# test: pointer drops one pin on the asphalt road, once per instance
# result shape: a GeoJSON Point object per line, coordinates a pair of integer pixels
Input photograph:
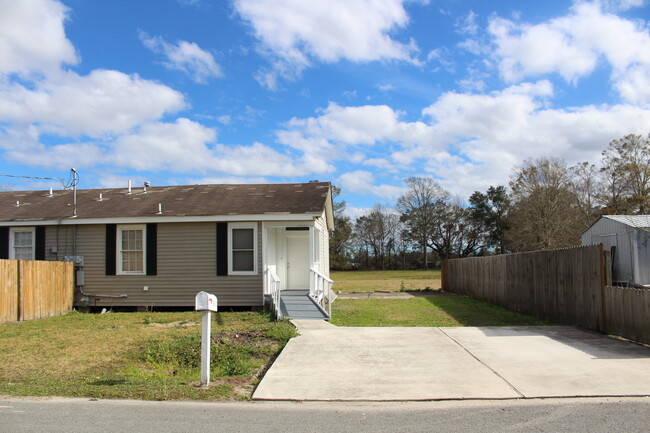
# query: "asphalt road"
{"type": "Point", "coordinates": [549, 415]}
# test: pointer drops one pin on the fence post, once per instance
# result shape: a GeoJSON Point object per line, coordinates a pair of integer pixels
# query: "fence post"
{"type": "Point", "coordinates": [19, 292]}
{"type": "Point", "coordinates": [604, 281]}
{"type": "Point", "coordinates": [443, 276]}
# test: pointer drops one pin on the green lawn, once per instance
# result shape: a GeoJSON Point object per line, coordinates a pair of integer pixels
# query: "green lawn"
{"type": "Point", "coordinates": [389, 281]}
{"type": "Point", "coordinates": [431, 311]}
{"type": "Point", "coordinates": [151, 356]}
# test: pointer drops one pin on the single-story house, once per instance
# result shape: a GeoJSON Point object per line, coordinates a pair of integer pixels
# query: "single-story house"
{"type": "Point", "coordinates": [159, 246]}
{"type": "Point", "coordinates": [628, 239]}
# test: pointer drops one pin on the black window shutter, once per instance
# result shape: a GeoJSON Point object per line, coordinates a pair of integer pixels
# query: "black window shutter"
{"type": "Point", "coordinates": [4, 242]}
{"type": "Point", "coordinates": [111, 240]}
{"type": "Point", "coordinates": [222, 249]}
{"type": "Point", "coordinates": [39, 254]}
{"type": "Point", "coordinates": [152, 249]}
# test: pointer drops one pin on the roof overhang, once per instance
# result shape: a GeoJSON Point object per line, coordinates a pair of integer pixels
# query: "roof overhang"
{"type": "Point", "coordinates": [164, 219]}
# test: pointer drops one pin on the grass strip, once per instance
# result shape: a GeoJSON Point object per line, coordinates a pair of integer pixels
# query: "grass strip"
{"type": "Point", "coordinates": [386, 281]}
{"type": "Point", "coordinates": [432, 311]}
{"type": "Point", "coordinates": [149, 356]}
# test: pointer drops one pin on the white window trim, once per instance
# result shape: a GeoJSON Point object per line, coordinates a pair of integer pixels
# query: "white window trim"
{"type": "Point", "coordinates": [231, 227]}
{"type": "Point", "coordinates": [12, 250]}
{"type": "Point", "coordinates": [118, 245]}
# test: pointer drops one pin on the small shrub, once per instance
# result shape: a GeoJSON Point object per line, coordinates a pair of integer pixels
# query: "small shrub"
{"type": "Point", "coordinates": [402, 287]}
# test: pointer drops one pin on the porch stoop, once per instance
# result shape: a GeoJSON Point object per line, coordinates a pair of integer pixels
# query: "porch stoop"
{"type": "Point", "coordinates": [297, 304]}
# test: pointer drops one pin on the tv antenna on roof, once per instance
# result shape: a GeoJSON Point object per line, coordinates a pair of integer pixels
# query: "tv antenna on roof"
{"type": "Point", "coordinates": [73, 184]}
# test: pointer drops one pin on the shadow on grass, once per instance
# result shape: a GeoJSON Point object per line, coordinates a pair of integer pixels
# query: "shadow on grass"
{"type": "Point", "coordinates": [470, 312]}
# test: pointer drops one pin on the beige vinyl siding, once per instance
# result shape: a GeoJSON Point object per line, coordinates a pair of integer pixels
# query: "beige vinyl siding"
{"type": "Point", "coordinates": [60, 237]}
{"type": "Point", "coordinates": [186, 265]}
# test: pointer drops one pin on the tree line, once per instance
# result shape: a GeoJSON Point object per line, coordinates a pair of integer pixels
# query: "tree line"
{"type": "Point", "coordinates": [547, 204]}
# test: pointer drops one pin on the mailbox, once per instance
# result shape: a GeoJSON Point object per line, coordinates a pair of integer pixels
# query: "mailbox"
{"type": "Point", "coordinates": [205, 302]}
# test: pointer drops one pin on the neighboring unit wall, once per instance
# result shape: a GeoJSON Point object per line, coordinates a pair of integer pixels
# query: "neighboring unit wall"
{"type": "Point", "coordinates": [186, 265]}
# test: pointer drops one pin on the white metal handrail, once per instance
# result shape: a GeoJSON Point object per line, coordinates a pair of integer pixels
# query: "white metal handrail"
{"type": "Point", "coordinates": [320, 289]}
{"type": "Point", "coordinates": [273, 285]}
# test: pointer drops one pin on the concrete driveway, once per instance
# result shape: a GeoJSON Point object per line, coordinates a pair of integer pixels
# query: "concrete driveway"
{"type": "Point", "coordinates": [382, 364]}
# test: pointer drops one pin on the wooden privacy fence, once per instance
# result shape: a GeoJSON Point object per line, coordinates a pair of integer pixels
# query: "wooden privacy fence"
{"type": "Point", "coordinates": [569, 286]}
{"type": "Point", "coordinates": [562, 286]}
{"type": "Point", "coordinates": [31, 289]}
{"type": "Point", "coordinates": [628, 313]}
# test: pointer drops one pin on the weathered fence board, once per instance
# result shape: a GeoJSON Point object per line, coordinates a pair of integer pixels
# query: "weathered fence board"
{"type": "Point", "coordinates": [8, 291]}
{"type": "Point", "coordinates": [31, 289]}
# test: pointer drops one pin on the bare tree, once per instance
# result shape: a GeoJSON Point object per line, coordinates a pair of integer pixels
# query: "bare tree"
{"type": "Point", "coordinates": [585, 184]}
{"type": "Point", "coordinates": [544, 213]}
{"type": "Point", "coordinates": [626, 162]}
{"type": "Point", "coordinates": [417, 207]}
{"type": "Point", "coordinates": [376, 232]}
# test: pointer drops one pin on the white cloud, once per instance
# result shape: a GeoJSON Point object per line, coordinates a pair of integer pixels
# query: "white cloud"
{"type": "Point", "coordinates": [353, 126]}
{"type": "Point", "coordinates": [573, 45]}
{"type": "Point", "coordinates": [226, 119]}
{"type": "Point", "coordinates": [184, 56]}
{"type": "Point", "coordinates": [295, 32]}
{"type": "Point", "coordinates": [623, 5]}
{"type": "Point", "coordinates": [362, 182]}
{"type": "Point", "coordinates": [32, 37]}
{"type": "Point", "coordinates": [23, 146]}
{"type": "Point", "coordinates": [103, 102]}
{"type": "Point", "coordinates": [467, 25]}
{"type": "Point", "coordinates": [178, 146]}
{"type": "Point", "coordinates": [487, 135]}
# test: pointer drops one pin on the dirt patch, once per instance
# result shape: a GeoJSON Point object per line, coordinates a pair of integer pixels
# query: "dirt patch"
{"type": "Point", "coordinates": [242, 386]}
{"type": "Point", "coordinates": [254, 337]}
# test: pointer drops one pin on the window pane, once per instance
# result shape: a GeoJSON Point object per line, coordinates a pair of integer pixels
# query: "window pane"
{"type": "Point", "coordinates": [23, 253]}
{"type": "Point", "coordinates": [242, 239]}
{"type": "Point", "coordinates": [243, 261]}
{"type": "Point", "coordinates": [132, 250]}
{"type": "Point", "coordinates": [132, 261]}
{"type": "Point", "coordinates": [23, 239]}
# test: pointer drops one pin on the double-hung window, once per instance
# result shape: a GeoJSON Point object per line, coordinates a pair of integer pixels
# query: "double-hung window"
{"type": "Point", "coordinates": [131, 249]}
{"type": "Point", "coordinates": [22, 243]}
{"type": "Point", "coordinates": [242, 246]}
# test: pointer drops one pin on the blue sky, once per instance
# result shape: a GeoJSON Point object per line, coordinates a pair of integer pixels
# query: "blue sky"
{"type": "Point", "coordinates": [362, 93]}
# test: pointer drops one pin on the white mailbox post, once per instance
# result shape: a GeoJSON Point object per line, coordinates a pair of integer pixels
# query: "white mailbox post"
{"type": "Point", "coordinates": [206, 303]}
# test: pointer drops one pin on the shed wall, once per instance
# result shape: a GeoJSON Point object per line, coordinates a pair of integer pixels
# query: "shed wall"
{"type": "Point", "coordinates": [631, 261]}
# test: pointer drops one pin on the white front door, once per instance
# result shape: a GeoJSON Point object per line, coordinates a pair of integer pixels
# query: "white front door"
{"type": "Point", "coordinates": [297, 260]}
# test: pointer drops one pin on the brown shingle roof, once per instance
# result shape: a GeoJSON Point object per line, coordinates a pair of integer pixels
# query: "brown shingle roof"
{"type": "Point", "coordinates": [186, 200]}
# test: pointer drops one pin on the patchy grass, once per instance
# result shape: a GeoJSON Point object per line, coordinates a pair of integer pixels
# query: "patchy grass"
{"type": "Point", "coordinates": [386, 281]}
{"type": "Point", "coordinates": [150, 356]}
{"type": "Point", "coordinates": [432, 311]}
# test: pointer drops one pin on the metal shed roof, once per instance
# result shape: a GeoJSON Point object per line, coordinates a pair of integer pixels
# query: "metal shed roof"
{"type": "Point", "coordinates": [638, 221]}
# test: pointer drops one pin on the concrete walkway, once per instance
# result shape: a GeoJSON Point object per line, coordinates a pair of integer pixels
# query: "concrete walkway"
{"type": "Point", "coordinates": [381, 364]}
